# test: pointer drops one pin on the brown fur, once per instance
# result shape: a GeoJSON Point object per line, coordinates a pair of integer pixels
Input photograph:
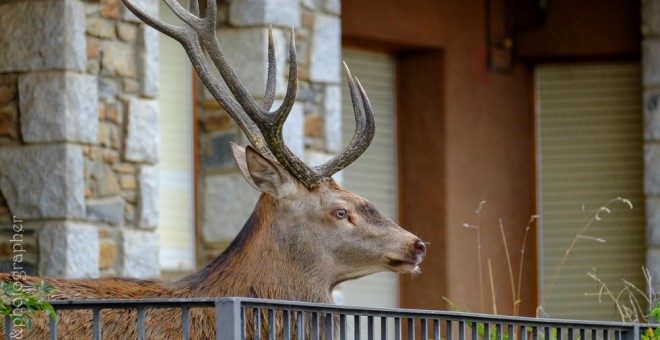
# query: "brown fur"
{"type": "Point", "coordinates": [291, 248]}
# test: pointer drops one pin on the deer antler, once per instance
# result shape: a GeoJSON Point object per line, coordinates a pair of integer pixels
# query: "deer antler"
{"type": "Point", "coordinates": [263, 128]}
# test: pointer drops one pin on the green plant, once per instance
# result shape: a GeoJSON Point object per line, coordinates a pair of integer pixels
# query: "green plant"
{"type": "Point", "coordinates": [21, 303]}
{"type": "Point", "coordinates": [653, 334]}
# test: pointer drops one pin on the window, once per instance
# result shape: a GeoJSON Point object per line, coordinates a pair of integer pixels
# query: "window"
{"type": "Point", "coordinates": [175, 204]}
{"type": "Point", "coordinates": [589, 151]}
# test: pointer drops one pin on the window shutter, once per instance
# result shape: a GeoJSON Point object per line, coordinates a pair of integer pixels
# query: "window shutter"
{"type": "Point", "coordinates": [589, 149]}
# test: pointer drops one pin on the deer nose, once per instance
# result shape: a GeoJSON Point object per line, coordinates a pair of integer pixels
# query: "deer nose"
{"type": "Point", "coordinates": [420, 248]}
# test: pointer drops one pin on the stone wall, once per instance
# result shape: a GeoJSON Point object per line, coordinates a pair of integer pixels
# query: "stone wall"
{"type": "Point", "coordinates": [651, 83]}
{"type": "Point", "coordinates": [78, 138]}
{"type": "Point", "coordinates": [313, 129]}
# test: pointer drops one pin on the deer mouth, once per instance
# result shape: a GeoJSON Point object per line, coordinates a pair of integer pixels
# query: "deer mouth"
{"type": "Point", "coordinates": [403, 266]}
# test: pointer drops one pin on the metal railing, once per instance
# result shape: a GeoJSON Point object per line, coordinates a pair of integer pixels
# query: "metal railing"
{"type": "Point", "coordinates": [241, 318]}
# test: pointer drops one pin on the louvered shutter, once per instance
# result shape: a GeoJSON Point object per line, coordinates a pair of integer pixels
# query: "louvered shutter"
{"type": "Point", "coordinates": [589, 150]}
{"type": "Point", "coordinates": [175, 201]}
{"type": "Point", "coordinates": [373, 175]}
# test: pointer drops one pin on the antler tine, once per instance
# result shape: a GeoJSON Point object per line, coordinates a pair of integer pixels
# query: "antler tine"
{"type": "Point", "coordinates": [273, 124]}
{"type": "Point", "coordinates": [365, 128]}
{"type": "Point", "coordinates": [187, 17]}
{"type": "Point", "coordinates": [280, 115]}
{"type": "Point", "coordinates": [193, 7]}
{"type": "Point", "coordinates": [175, 32]}
{"type": "Point", "coordinates": [263, 129]}
{"type": "Point", "coordinates": [189, 39]}
{"type": "Point", "coordinates": [269, 95]}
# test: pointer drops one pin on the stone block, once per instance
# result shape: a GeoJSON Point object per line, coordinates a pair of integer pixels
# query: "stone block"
{"type": "Point", "coordinates": [326, 49]}
{"type": "Point", "coordinates": [653, 221]}
{"type": "Point", "coordinates": [148, 197]}
{"type": "Point", "coordinates": [110, 8]}
{"type": "Point", "coordinates": [8, 120]}
{"type": "Point", "coordinates": [127, 31]}
{"type": "Point", "coordinates": [131, 86]}
{"type": "Point", "coordinates": [128, 182]}
{"type": "Point", "coordinates": [285, 13]}
{"type": "Point", "coordinates": [107, 254]}
{"type": "Point", "coordinates": [314, 126]}
{"type": "Point", "coordinates": [43, 181]}
{"type": "Point", "coordinates": [109, 211]}
{"type": "Point", "coordinates": [94, 66]}
{"type": "Point", "coordinates": [125, 168]}
{"type": "Point", "coordinates": [104, 180]}
{"type": "Point", "coordinates": [217, 152]}
{"type": "Point", "coordinates": [652, 115]}
{"type": "Point", "coordinates": [333, 118]}
{"type": "Point", "coordinates": [332, 6]}
{"type": "Point", "coordinates": [149, 6]}
{"type": "Point", "coordinates": [129, 214]}
{"type": "Point", "coordinates": [43, 35]}
{"type": "Point", "coordinates": [119, 59]}
{"type": "Point", "coordinates": [110, 156]}
{"type": "Point", "coordinates": [650, 17]}
{"type": "Point", "coordinates": [7, 265]}
{"type": "Point", "coordinates": [113, 112]}
{"type": "Point", "coordinates": [651, 62]}
{"type": "Point", "coordinates": [107, 88]}
{"type": "Point", "coordinates": [8, 88]}
{"type": "Point", "coordinates": [228, 202]}
{"type": "Point", "coordinates": [69, 250]}
{"type": "Point", "coordinates": [148, 62]}
{"type": "Point", "coordinates": [216, 122]}
{"type": "Point", "coordinates": [115, 139]}
{"type": "Point", "coordinates": [101, 28]}
{"type": "Point", "coordinates": [141, 144]}
{"type": "Point", "coordinates": [653, 264]}
{"type": "Point", "coordinates": [651, 169]}
{"type": "Point", "coordinates": [58, 107]}
{"type": "Point", "coordinates": [138, 254]}
{"type": "Point", "coordinates": [294, 129]}
{"type": "Point", "coordinates": [103, 137]}
{"type": "Point", "coordinates": [247, 52]}
{"type": "Point", "coordinates": [311, 4]}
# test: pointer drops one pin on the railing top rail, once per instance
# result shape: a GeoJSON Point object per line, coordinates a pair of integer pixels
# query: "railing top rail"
{"type": "Point", "coordinates": [329, 308]}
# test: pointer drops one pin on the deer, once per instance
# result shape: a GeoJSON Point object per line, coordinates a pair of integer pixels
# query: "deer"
{"type": "Point", "coordinates": [305, 236]}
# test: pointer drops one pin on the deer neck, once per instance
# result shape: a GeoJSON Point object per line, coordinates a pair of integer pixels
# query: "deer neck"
{"type": "Point", "coordinates": [260, 263]}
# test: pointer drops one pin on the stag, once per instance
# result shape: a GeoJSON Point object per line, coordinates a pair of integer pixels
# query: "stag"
{"type": "Point", "coordinates": [305, 236]}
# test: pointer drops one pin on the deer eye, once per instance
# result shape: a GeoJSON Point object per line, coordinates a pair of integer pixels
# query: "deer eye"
{"type": "Point", "coordinates": [341, 214]}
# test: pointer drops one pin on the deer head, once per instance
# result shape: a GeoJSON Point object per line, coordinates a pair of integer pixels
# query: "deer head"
{"type": "Point", "coordinates": [305, 227]}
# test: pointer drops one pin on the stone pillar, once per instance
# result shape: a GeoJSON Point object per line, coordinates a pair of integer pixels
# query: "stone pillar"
{"type": "Point", "coordinates": [79, 137]}
{"type": "Point", "coordinates": [313, 129]}
{"type": "Point", "coordinates": [651, 84]}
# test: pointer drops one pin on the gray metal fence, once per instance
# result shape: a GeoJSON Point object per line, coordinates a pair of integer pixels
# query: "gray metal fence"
{"type": "Point", "coordinates": [241, 318]}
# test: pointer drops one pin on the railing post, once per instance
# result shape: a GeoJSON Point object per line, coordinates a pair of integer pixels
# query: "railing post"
{"type": "Point", "coordinates": [228, 319]}
{"type": "Point", "coordinates": [53, 328]}
{"type": "Point", "coordinates": [632, 333]}
{"type": "Point", "coordinates": [8, 329]}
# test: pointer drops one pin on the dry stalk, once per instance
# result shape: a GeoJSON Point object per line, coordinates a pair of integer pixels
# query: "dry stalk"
{"type": "Point", "coordinates": [508, 262]}
{"type": "Point", "coordinates": [477, 227]}
{"type": "Point", "coordinates": [631, 312]}
{"type": "Point", "coordinates": [516, 304]}
{"type": "Point", "coordinates": [587, 222]}
{"type": "Point", "coordinates": [492, 286]}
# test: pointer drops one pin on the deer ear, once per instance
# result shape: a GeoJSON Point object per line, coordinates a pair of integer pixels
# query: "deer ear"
{"type": "Point", "coordinates": [268, 176]}
{"type": "Point", "coordinates": [239, 157]}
